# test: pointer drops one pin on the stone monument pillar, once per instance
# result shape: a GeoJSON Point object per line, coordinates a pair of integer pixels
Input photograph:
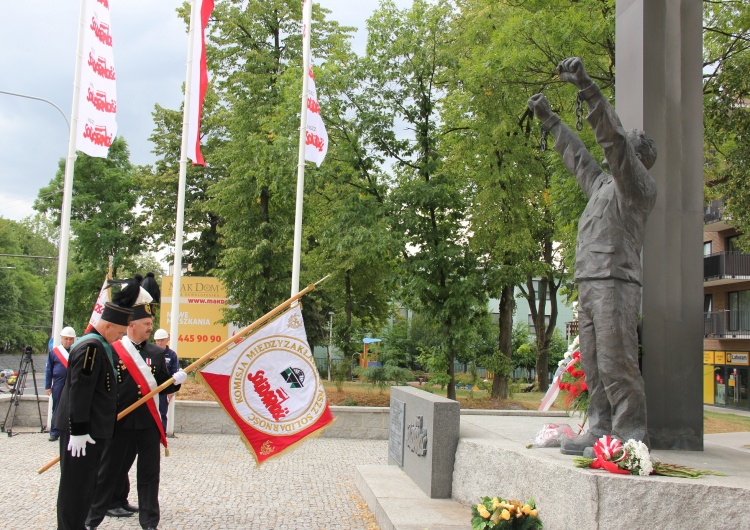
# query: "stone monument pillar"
{"type": "Point", "coordinates": [659, 90]}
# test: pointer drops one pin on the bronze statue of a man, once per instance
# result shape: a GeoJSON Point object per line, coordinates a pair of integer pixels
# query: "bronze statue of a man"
{"type": "Point", "coordinates": [608, 257]}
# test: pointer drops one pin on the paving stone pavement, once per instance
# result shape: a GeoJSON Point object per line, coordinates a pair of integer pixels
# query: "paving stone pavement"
{"type": "Point", "coordinates": [210, 482]}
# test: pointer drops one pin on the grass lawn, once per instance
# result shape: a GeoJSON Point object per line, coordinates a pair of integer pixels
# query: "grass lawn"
{"type": "Point", "coordinates": [366, 395]}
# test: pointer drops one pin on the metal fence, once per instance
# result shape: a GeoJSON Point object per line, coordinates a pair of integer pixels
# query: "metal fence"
{"type": "Point", "coordinates": [726, 265]}
{"type": "Point", "coordinates": [734, 324]}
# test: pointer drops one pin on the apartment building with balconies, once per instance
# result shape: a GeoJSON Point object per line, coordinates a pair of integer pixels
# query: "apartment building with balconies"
{"type": "Point", "coordinates": [726, 307]}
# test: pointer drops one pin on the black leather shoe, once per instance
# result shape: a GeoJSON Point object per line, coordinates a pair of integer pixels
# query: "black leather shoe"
{"type": "Point", "coordinates": [119, 512]}
{"type": "Point", "coordinates": [129, 507]}
{"type": "Point", "coordinates": [53, 438]}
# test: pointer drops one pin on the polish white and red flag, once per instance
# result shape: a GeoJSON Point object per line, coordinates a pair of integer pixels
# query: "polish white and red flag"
{"type": "Point", "coordinates": [97, 97]}
{"type": "Point", "coordinates": [96, 314]}
{"type": "Point", "coordinates": [198, 81]}
{"type": "Point", "coordinates": [269, 385]}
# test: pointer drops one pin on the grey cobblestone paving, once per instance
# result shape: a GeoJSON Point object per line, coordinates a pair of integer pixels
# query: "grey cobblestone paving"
{"type": "Point", "coordinates": [210, 482]}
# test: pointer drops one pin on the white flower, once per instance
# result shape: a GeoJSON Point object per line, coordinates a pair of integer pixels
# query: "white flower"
{"type": "Point", "coordinates": [638, 457]}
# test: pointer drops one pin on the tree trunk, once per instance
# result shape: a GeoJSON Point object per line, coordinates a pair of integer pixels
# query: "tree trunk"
{"type": "Point", "coordinates": [500, 386]}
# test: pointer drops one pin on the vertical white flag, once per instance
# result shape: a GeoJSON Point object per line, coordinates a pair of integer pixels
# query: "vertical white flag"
{"type": "Point", "coordinates": [97, 98]}
{"type": "Point", "coordinates": [198, 81]}
{"type": "Point", "coordinates": [316, 137]}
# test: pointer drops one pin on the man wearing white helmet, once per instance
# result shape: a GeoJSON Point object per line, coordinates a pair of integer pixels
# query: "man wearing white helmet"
{"type": "Point", "coordinates": [56, 371]}
{"type": "Point", "coordinates": [161, 338]}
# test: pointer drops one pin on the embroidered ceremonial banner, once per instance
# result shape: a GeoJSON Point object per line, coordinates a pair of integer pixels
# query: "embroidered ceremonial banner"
{"type": "Point", "coordinates": [141, 374]}
{"type": "Point", "coordinates": [61, 354]}
{"type": "Point", "coordinates": [198, 81]}
{"type": "Point", "coordinates": [97, 98]}
{"type": "Point", "coordinates": [270, 387]}
{"type": "Point", "coordinates": [96, 314]}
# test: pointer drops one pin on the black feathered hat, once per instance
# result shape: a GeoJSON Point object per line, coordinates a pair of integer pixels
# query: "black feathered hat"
{"type": "Point", "coordinates": [133, 295]}
{"type": "Point", "coordinates": [143, 306]}
{"type": "Point", "coordinates": [120, 310]}
{"type": "Point", "coordinates": [152, 287]}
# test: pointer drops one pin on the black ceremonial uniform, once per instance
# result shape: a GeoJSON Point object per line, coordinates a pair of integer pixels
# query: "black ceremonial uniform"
{"type": "Point", "coordinates": [135, 434]}
{"type": "Point", "coordinates": [88, 405]}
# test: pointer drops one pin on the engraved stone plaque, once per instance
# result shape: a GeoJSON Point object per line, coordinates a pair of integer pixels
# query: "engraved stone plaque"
{"type": "Point", "coordinates": [396, 436]}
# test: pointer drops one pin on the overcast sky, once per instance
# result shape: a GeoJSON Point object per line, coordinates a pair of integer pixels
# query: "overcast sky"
{"type": "Point", "coordinates": [37, 58]}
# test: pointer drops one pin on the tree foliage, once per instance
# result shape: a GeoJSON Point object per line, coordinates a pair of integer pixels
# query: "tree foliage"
{"type": "Point", "coordinates": [726, 89]}
{"type": "Point", "coordinates": [26, 299]}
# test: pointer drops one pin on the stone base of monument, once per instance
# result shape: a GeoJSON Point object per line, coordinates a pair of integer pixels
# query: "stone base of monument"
{"type": "Point", "coordinates": [492, 459]}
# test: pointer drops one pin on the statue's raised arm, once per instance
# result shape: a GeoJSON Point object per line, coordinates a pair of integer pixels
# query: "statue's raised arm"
{"type": "Point", "coordinates": [608, 257]}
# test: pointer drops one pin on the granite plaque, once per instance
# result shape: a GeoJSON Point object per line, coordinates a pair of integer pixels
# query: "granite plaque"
{"type": "Point", "coordinates": [396, 436]}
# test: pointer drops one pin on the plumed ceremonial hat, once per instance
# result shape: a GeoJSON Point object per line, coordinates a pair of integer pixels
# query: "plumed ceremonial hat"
{"type": "Point", "coordinates": [120, 310]}
{"type": "Point", "coordinates": [143, 306]}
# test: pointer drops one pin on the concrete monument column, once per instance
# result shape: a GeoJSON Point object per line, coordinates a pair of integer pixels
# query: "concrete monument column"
{"type": "Point", "coordinates": [659, 90]}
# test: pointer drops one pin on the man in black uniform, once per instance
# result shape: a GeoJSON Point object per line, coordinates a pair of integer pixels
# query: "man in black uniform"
{"type": "Point", "coordinates": [141, 367]}
{"type": "Point", "coordinates": [86, 414]}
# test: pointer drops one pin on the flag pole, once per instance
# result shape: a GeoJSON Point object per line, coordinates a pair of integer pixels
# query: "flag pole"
{"type": "Point", "coordinates": [70, 162]}
{"type": "Point", "coordinates": [181, 183]}
{"type": "Point", "coordinates": [306, 21]}
{"type": "Point", "coordinates": [207, 357]}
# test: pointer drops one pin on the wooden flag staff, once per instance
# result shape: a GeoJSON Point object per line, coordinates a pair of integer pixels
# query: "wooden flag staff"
{"type": "Point", "coordinates": [209, 356]}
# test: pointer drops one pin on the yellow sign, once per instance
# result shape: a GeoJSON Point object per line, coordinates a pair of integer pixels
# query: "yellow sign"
{"type": "Point", "coordinates": [739, 358]}
{"type": "Point", "coordinates": [708, 357]}
{"type": "Point", "coordinates": [720, 357]}
{"type": "Point", "coordinates": [201, 300]}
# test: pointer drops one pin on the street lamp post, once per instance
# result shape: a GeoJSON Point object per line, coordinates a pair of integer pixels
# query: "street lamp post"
{"type": "Point", "coordinates": [330, 341]}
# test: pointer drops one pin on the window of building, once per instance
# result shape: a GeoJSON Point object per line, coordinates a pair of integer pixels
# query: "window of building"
{"type": "Point", "coordinates": [732, 244]}
{"type": "Point", "coordinates": [739, 310]}
{"type": "Point", "coordinates": [531, 322]}
{"type": "Point", "coordinates": [707, 248]}
{"type": "Point", "coordinates": [707, 302]}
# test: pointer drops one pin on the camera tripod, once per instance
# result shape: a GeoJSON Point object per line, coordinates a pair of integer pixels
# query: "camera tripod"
{"type": "Point", "coordinates": [17, 392]}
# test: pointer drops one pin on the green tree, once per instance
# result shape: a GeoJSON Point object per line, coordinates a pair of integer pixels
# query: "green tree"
{"type": "Point", "coordinates": [103, 224]}
{"type": "Point", "coordinates": [409, 65]}
{"type": "Point", "coordinates": [257, 62]}
{"type": "Point", "coordinates": [726, 67]}
{"type": "Point", "coordinates": [28, 286]}
{"type": "Point", "coordinates": [525, 207]}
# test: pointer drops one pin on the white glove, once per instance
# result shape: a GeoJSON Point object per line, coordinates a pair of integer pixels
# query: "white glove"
{"type": "Point", "coordinates": [77, 444]}
{"type": "Point", "coordinates": [179, 377]}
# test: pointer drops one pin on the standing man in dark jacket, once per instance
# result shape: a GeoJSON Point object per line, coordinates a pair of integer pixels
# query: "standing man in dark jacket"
{"type": "Point", "coordinates": [86, 414]}
{"type": "Point", "coordinates": [55, 373]}
{"type": "Point", "coordinates": [161, 338]}
{"type": "Point", "coordinates": [608, 258]}
{"type": "Point", "coordinates": [141, 368]}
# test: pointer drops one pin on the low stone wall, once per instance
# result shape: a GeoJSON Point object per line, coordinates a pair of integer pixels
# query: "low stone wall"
{"type": "Point", "coordinates": [207, 417]}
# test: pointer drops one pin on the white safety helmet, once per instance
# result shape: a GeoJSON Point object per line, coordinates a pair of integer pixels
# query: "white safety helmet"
{"type": "Point", "coordinates": [68, 332]}
{"type": "Point", "coordinates": [161, 334]}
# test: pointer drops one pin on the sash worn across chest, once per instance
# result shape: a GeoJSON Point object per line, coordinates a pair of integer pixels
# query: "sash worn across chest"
{"type": "Point", "coordinates": [62, 355]}
{"type": "Point", "coordinates": [141, 374]}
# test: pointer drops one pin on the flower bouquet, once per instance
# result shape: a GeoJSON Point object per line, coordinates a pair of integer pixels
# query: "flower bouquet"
{"type": "Point", "coordinates": [633, 458]}
{"type": "Point", "coordinates": [573, 384]}
{"type": "Point", "coordinates": [496, 513]}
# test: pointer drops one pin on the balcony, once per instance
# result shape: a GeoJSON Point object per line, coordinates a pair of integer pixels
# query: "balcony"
{"type": "Point", "coordinates": [715, 218]}
{"type": "Point", "coordinates": [727, 324]}
{"type": "Point", "coordinates": [725, 267]}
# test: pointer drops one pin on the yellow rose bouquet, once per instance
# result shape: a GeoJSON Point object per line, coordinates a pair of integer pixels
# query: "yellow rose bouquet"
{"type": "Point", "coordinates": [496, 513]}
